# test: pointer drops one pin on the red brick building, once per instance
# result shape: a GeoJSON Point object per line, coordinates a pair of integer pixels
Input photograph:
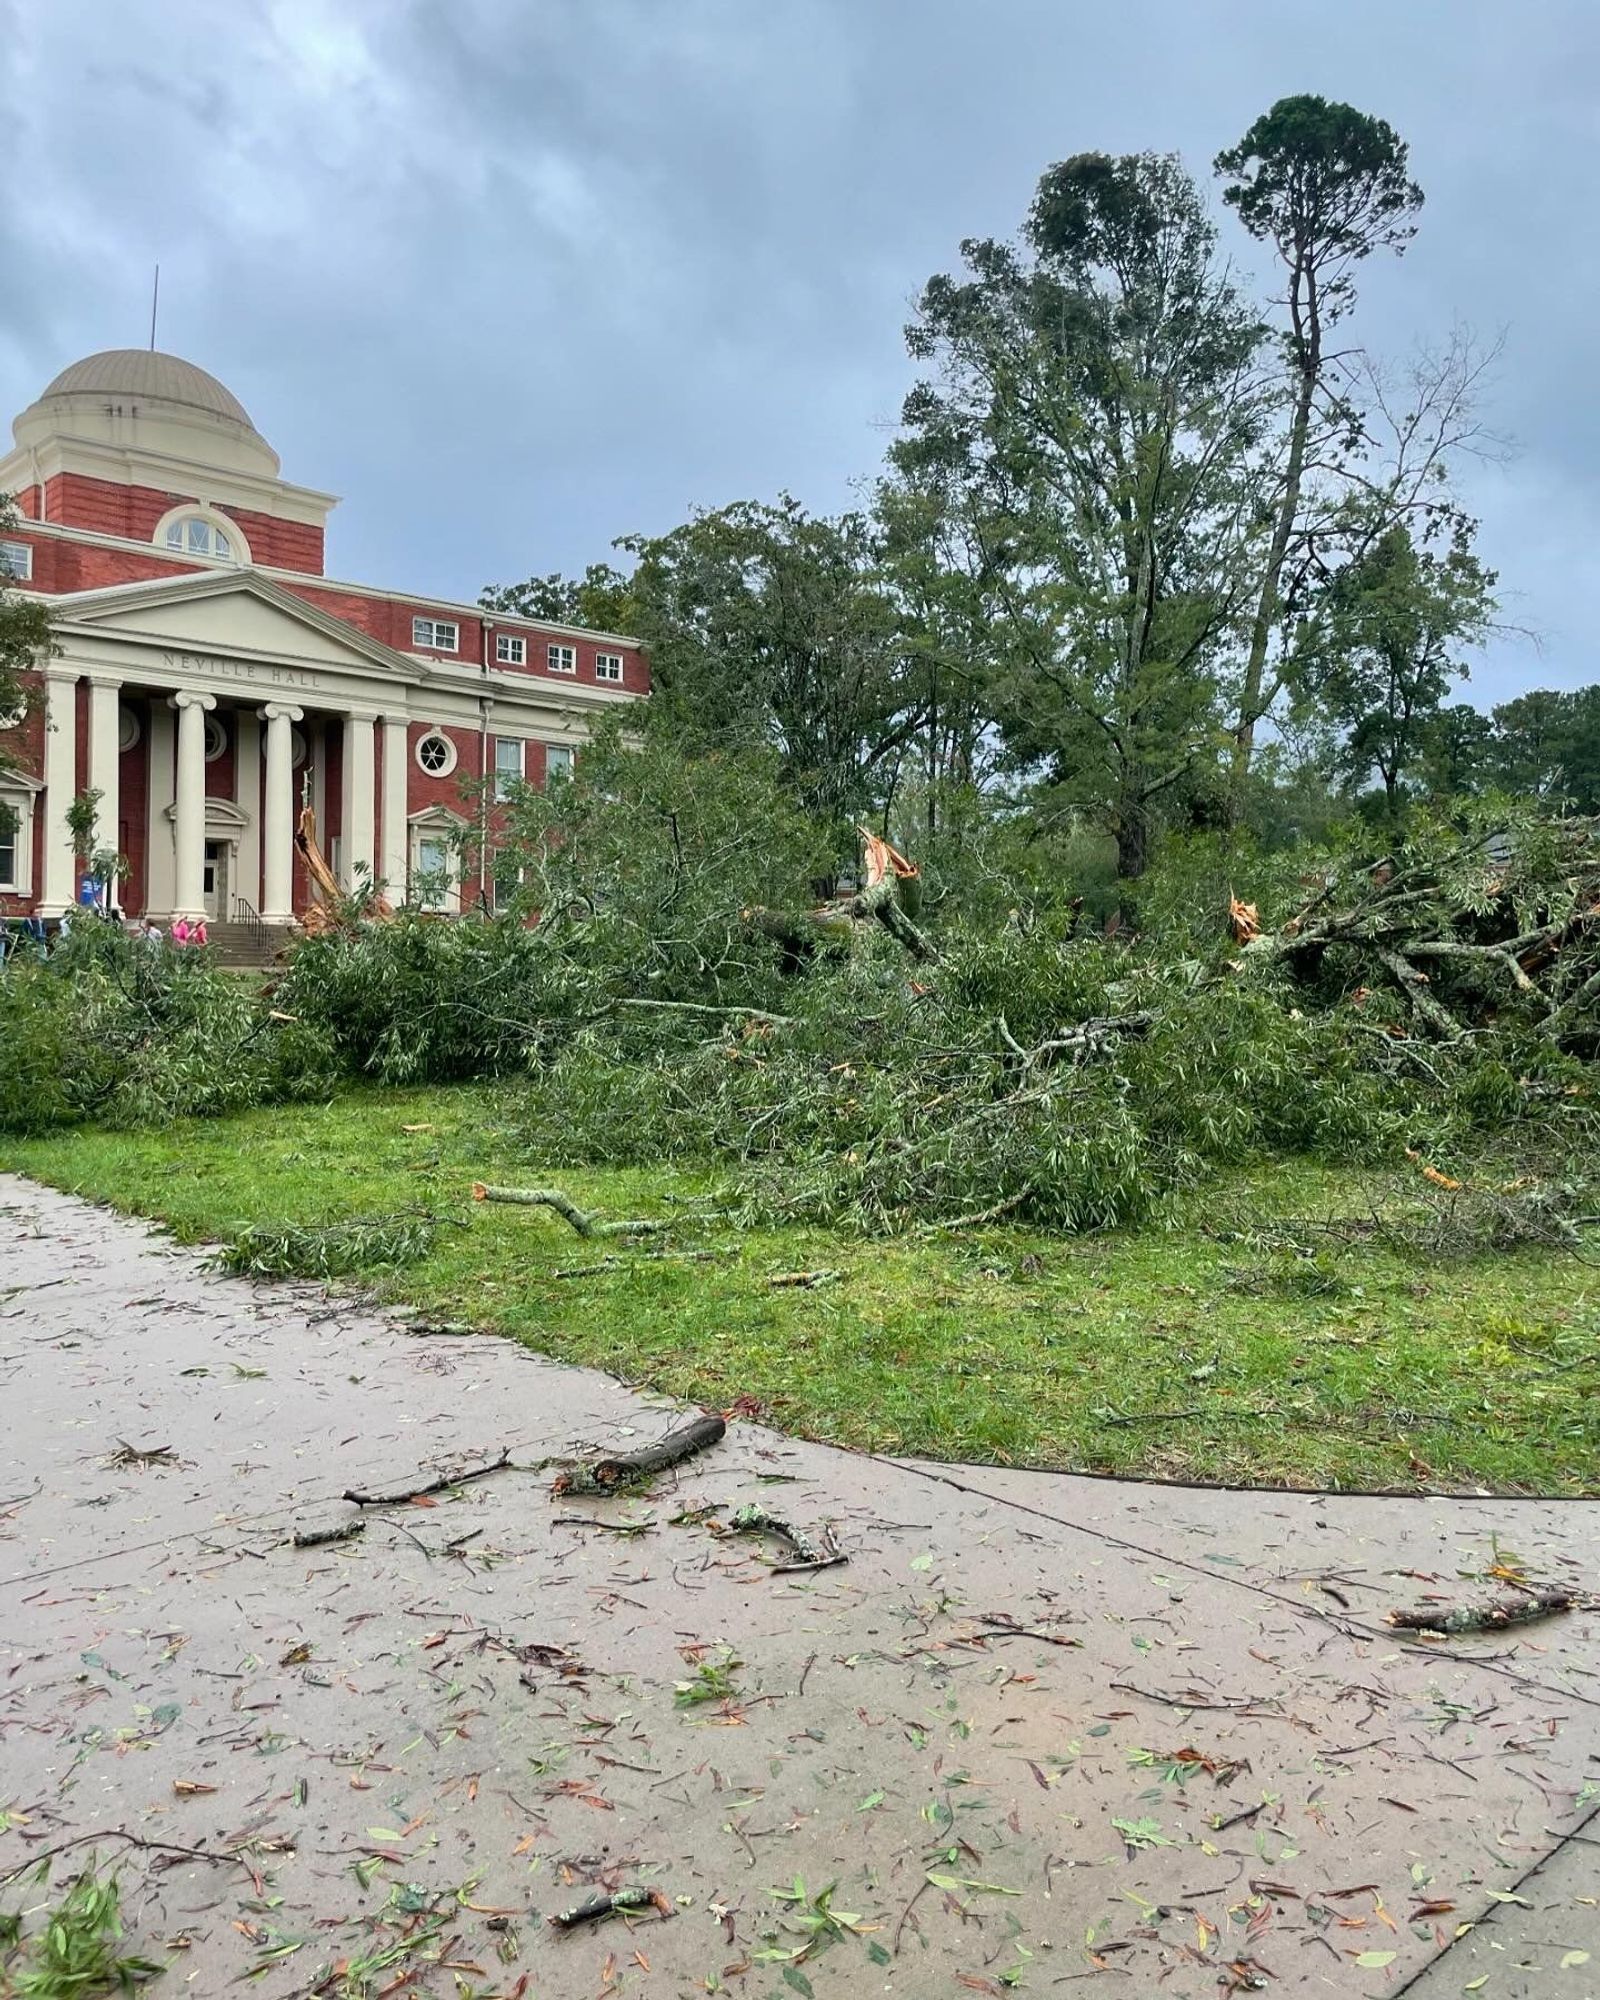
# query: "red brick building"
{"type": "Point", "coordinates": [210, 678]}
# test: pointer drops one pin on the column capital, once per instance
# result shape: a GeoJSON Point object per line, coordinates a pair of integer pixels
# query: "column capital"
{"type": "Point", "coordinates": [281, 711]}
{"type": "Point", "coordinates": [361, 714]}
{"type": "Point", "coordinates": [61, 673]}
{"type": "Point", "coordinates": [192, 698]}
{"type": "Point", "coordinates": [105, 681]}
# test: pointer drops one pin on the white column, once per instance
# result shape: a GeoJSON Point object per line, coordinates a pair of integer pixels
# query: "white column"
{"type": "Point", "coordinates": [360, 781]}
{"type": "Point", "coordinates": [392, 858]}
{"type": "Point", "coordinates": [247, 797]}
{"type": "Point", "coordinates": [162, 783]}
{"type": "Point", "coordinates": [277, 833]}
{"type": "Point", "coordinates": [189, 818]}
{"type": "Point", "coordinates": [60, 786]}
{"type": "Point", "coordinates": [105, 757]}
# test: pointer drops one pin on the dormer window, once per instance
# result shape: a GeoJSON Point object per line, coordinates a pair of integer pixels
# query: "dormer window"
{"type": "Point", "coordinates": [195, 534]}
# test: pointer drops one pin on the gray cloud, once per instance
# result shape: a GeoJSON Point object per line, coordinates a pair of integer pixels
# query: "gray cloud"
{"type": "Point", "coordinates": [517, 278]}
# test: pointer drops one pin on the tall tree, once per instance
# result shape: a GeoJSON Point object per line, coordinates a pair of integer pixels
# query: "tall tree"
{"type": "Point", "coordinates": [1547, 744]}
{"type": "Point", "coordinates": [1092, 422]}
{"type": "Point", "coordinates": [1325, 185]}
{"type": "Point", "coordinates": [947, 612]}
{"type": "Point", "coordinates": [1389, 653]}
{"type": "Point", "coordinates": [601, 600]}
{"type": "Point", "coordinates": [1457, 752]}
{"type": "Point", "coordinates": [770, 626]}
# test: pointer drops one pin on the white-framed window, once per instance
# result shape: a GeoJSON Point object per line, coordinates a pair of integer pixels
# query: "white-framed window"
{"type": "Point", "coordinates": [433, 881]}
{"type": "Point", "coordinates": [510, 652]}
{"type": "Point", "coordinates": [194, 535]}
{"type": "Point", "coordinates": [608, 666]}
{"type": "Point", "coordinates": [436, 754]}
{"type": "Point", "coordinates": [442, 634]}
{"type": "Point", "coordinates": [216, 739]}
{"type": "Point", "coordinates": [505, 877]}
{"type": "Point", "coordinates": [557, 761]}
{"type": "Point", "coordinates": [10, 843]}
{"type": "Point", "coordinates": [16, 841]}
{"type": "Point", "coordinates": [16, 561]}
{"type": "Point", "coordinates": [507, 765]}
{"type": "Point", "coordinates": [563, 659]}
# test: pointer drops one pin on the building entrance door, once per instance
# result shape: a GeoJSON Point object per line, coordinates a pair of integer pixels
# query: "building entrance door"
{"type": "Point", "coordinates": [215, 881]}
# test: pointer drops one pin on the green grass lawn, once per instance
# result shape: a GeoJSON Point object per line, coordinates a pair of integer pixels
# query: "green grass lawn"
{"type": "Point", "coordinates": [1173, 1352]}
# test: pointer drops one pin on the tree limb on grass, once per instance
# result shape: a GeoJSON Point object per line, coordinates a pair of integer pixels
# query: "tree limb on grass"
{"type": "Point", "coordinates": [585, 1224]}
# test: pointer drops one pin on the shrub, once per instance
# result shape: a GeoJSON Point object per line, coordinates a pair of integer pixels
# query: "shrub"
{"type": "Point", "coordinates": [108, 1029]}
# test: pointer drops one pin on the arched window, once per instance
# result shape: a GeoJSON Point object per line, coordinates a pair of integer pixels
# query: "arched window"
{"type": "Point", "coordinates": [195, 531]}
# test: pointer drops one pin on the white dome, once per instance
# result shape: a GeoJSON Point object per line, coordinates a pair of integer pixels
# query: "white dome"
{"type": "Point", "coordinates": [139, 374]}
{"type": "Point", "coordinates": [135, 398]}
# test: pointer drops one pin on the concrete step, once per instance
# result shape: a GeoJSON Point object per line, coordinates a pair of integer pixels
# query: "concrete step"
{"type": "Point", "coordinates": [241, 946]}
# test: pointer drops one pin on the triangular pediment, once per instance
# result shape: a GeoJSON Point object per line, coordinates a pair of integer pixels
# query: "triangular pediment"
{"type": "Point", "coordinates": [238, 615]}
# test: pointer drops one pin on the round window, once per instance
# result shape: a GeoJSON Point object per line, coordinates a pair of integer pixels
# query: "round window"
{"type": "Point", "coordinates": [297, 746]}
{"type": "Point", "coordinates": [436, 754]}
{"type": "Point", "coordinates": [216, 739]}
{"type": "Point", "coordinates": [128, 731]}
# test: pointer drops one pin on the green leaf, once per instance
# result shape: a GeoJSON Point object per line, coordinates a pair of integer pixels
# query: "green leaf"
{"type": "Point", "coordinates": [924, 1561]}
{"type": "Point", "coordinates": [793, 1976]}
{"type": "Point", "coordinates": [1571, 1958]}
{"type": "Point", "coordinates": [1372, 1960]}
{"type": "Point", "coordinates": [872, 1799]}
{"type": "Point", "coordinates": [878, 1955]}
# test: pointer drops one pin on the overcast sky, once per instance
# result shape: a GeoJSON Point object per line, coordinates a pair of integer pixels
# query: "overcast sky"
{"type": "Point", "coordinates": [515, 277]}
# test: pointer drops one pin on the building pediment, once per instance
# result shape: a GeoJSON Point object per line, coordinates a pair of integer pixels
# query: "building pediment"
{"type": "Point", "coordinates": [228, 622]}
{"type": "Point", "coordinates": [220, 813]}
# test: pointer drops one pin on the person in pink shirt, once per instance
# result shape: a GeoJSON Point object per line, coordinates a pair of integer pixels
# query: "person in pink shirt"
{"type": "Point", "coordinates": [180, 930]}
{"type": "Point", "coordinates": [197, 932]}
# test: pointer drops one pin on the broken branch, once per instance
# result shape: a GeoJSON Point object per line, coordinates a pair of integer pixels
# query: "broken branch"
{"type": "Point", "coordinates": [619, 1903]}
{"type": "Point", "coordinates": [604, 1475]}
{"type": "Point", "coordinates": [569, 1211]}
{"type": "Point", "coordinates": [819, 1552]}
{"type": "Point", "coordinates": [339, 1531]}
{"type": "Point", "coordinates": [1484, 1617]}
{"type": "Point", "coordinates": [440, 1484]}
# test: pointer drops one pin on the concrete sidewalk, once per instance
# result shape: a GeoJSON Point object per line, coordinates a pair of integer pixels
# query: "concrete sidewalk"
{"type": "Point", "coordinates": [1039, 1730]}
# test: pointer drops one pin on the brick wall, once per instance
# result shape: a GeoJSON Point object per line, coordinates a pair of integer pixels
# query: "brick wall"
{"type": "Point", "coordinates": [107, 507]}
{"type": "Point", "coordinates": [389, 620]}
{"type": "Point", "coordinates": [24, 748]}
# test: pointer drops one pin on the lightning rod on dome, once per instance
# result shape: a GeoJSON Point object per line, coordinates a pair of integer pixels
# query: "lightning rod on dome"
{"type": "Point", "coordinates": [155, 300]}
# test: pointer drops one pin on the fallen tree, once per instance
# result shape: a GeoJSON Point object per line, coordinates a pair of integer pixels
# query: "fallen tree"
{"type": "Point", "coordinates": [889, 892]}
{"type": "Point", "coordinates": [1498, 925]}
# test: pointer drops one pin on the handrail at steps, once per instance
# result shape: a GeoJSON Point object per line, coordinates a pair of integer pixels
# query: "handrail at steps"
{"type": "Point", "coordinates": [245, 913]}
